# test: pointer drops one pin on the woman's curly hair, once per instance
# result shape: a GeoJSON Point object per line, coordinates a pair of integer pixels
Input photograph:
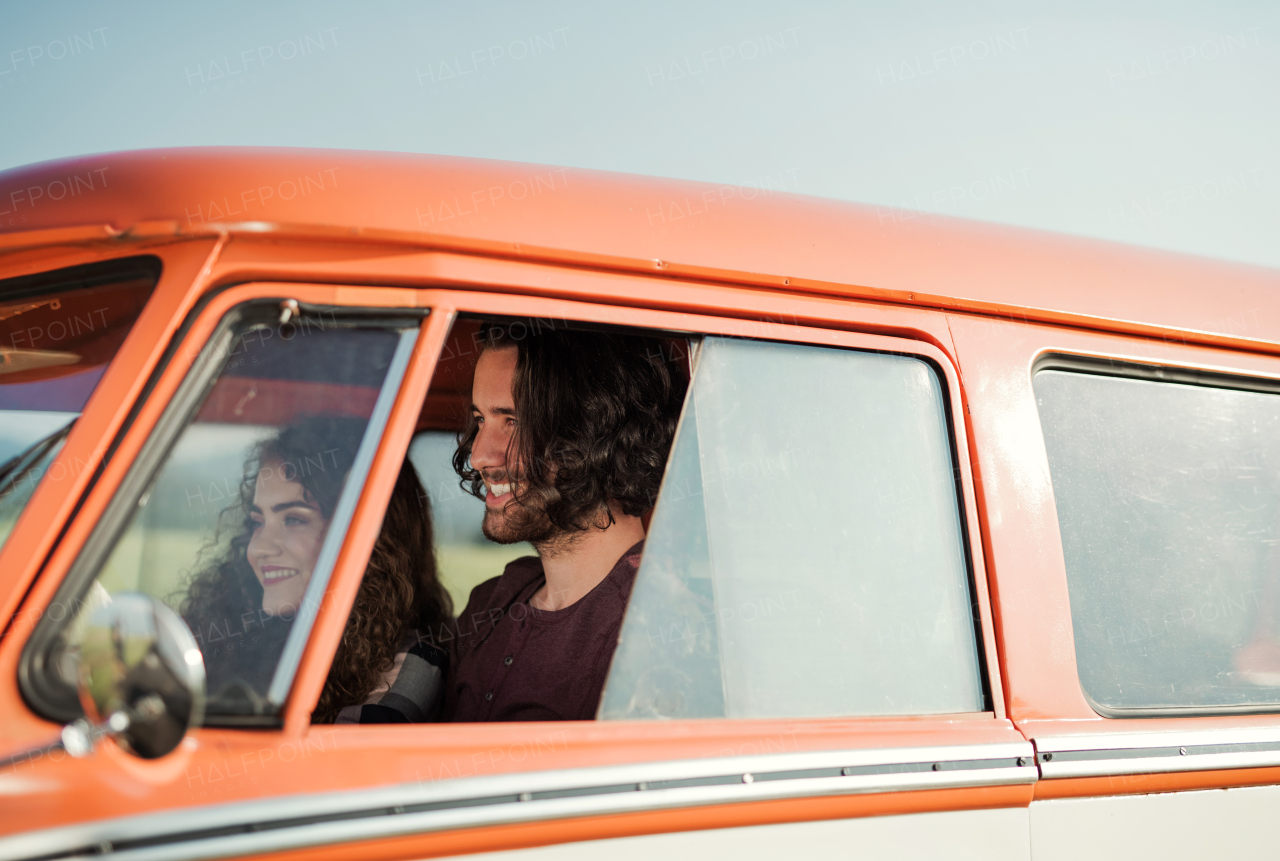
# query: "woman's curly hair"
{"type": "Point", "coordinates": [596, 413]}
{"type": "Point", "coordinates": [400, 591]}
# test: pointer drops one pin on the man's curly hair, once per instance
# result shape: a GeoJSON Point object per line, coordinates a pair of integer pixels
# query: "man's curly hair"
{"type": "Point", "coordinates": [595, 416]}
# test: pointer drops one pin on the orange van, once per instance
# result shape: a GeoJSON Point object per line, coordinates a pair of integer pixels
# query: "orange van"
{"type": "Point", "coordinates": [967, 543]}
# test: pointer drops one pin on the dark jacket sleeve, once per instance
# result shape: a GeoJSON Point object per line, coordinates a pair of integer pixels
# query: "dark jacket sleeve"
{"type": "Point", "coordinates": [415, 696]}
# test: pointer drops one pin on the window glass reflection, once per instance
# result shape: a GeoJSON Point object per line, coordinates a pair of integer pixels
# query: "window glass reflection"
{"type": "Point", "coordinates": [1168, 497]}
{"type": "Point", "coordinates": [805, 557]}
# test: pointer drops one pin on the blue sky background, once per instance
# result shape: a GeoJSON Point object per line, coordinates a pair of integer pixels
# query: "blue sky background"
{"type": "Point", "coordinates": [1155, 123]}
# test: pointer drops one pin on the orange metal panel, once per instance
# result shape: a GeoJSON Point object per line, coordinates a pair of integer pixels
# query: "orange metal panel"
{"type": "Point", "coordinates": [257, 259]}
{"type": "Point", "coordinates": [1028, 575]}
{"type": "Point", "coordinates": [593, 219]}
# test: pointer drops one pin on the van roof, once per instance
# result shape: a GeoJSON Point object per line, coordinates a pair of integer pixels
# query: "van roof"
{"type": "Point", "coordinates": [697, 230]}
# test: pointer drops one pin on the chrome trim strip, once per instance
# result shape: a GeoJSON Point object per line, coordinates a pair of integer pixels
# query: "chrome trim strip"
{"type": "Point", "coordinates": [301, 821]}
{"type": "Point", "coordinates": [1155, 753]}
{"type": "Point", "coordinates": [342, 513]}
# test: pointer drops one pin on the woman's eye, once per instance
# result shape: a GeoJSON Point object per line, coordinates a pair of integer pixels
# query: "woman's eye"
{"type": "Point", "coordinates": [294, 521]}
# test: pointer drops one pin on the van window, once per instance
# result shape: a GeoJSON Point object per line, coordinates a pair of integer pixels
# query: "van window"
{"type": "Point", "coordinates": [238, 526]}
{"type": "Point", "coordinates": [806, 554]}
{"type": "Point", "coordinates": [1168, 495]}
{"type": "Point", "coordinates": [58, 332]}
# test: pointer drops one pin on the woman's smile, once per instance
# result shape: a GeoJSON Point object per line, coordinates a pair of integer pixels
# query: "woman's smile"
{"type": "Point", "coordinates": [288, 530]}
{"type": "Point", "coordinates": [272, 574]}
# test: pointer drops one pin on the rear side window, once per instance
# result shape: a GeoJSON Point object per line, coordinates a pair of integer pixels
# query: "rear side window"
{"type": "Point", "coordinates": [1167, 495]}
{"type": "Point", "coordinates": [58, 332]}
{"type": "Point", "coordinates": [806, 555]}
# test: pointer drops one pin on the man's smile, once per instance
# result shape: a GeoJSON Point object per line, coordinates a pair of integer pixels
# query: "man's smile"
{"type": "Point", "coordinates": [498, 494]}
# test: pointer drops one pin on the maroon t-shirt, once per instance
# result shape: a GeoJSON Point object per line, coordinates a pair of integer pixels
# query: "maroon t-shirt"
{"type": "Point", "coordinates": [511, 661]}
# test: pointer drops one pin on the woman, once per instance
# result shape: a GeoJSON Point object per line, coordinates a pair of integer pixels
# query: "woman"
{"type": "Point", "coordinates": [242, 606]}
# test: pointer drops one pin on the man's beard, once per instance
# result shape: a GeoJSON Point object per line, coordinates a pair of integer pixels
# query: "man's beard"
{"type": "Point", "coordinates": [517, 522]}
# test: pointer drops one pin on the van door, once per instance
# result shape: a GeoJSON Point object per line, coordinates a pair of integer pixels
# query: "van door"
{"type": "Point", "coordinates": [809, 659]}
{"type": "Point", "coordinates": [1131, 487]}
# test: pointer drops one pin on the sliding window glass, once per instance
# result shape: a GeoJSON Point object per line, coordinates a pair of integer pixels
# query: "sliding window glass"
{"type": "Point", "coordinates": [1168, 495]}
{"type": "Point", "coordinates": [806, 556]}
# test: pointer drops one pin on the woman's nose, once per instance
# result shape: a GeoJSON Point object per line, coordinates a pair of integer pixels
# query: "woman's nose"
{"type": "Point", "coordinates": [264, 542]}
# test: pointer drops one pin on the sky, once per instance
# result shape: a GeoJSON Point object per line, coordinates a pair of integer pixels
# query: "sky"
{"type": "Point", "coordinates": [1150, 123]}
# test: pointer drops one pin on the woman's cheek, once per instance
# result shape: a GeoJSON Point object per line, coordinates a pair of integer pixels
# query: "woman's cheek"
{"type": "Point", "coordinates": [251, 556]}
{"type": "Point", "coordinates": [317, 541]}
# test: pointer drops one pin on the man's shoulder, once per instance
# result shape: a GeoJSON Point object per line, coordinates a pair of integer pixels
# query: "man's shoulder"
{"type": "Point", "coordinates": [501, 590]}
{"type": "Point", "coordinates": [623, 575]}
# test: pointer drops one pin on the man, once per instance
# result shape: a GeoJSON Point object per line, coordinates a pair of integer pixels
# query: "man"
{"type": "Point", "coordinates": [568, 439]}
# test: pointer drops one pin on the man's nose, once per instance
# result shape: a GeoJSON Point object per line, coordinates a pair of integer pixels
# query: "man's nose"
{"type": "Point", "coordinates": [488, 452]}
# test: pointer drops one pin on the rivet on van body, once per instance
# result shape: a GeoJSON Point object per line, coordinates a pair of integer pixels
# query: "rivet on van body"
{"type": "Point", "coordinates": [1182, 751]}
{"type": "Point", "coordinates": [748, 778]}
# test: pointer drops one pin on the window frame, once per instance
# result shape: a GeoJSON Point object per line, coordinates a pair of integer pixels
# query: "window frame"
{"type": "Point", "coordinates": [914, 340]}
{"type": "Point", "coordinates": [450, 303]}
{"type": "Point", "coordinates": [1178, 374]}
{"type": "Point", "coordinates": [178, 392]}
{"type": "Point", "coordinates": [939, 374]}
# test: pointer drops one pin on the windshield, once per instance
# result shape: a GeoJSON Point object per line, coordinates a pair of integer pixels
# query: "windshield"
{"type": "Point", "coordinates": [58, 333]}
{"type": "Point", "coordinates": [20, 473]}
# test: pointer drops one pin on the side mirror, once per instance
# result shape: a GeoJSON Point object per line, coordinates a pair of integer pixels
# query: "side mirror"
{"type": "Point", "coordinates": [141, 678]}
